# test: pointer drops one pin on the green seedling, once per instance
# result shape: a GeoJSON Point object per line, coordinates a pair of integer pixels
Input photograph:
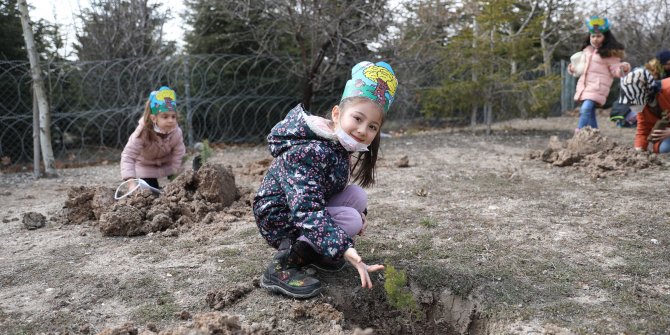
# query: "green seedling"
{"type": "Point", "coordinates": [396, 293]}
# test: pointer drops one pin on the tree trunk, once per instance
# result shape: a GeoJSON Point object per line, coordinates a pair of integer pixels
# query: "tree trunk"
{"type": "Point", "coordinates": [475, 29]}
{"type": "Point", "coordinates": [308, 89]}
{"type": "Point", "coordinates": [40, 92]}
{"type": "Point", "coordinates": [36, 139]}
{"type": "Point", "coordinates": [544, 35]}
{"type": "Point", "coordinates": [546, 56]}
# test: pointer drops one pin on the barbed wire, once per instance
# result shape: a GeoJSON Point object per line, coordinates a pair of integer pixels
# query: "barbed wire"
{"type": "Point", "coordinates": [95, 106]}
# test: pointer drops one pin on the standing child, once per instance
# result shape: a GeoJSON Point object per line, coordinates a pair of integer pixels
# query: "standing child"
{"type": "Point", "coordinates": [304, 206]}
{"type": "Point", "coordinates": [156, 147]}
{"type": "Point", "coordinates": [602, 56]}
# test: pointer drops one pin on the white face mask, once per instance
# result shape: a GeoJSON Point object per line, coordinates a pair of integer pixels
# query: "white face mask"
{"type": "Point", "coordinates": [159, 131]}
{"type": "Point", "coordinates": [349, 142]}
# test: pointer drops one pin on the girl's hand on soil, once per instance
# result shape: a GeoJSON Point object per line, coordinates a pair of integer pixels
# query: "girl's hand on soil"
{"type": "Point", "coordinates": [364, 270]}
{"type": "Point", "coordinates": [660, 134]}
{"type": "Point", "coordinates": [365, 225]}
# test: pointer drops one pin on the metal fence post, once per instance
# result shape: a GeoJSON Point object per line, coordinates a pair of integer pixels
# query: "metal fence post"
{"type": "Point", "coordinates": [187, 95]}
{"type": "Point", "coordinates": [36, 139]}
{"type": "Point", "coordinates": [567, 88]}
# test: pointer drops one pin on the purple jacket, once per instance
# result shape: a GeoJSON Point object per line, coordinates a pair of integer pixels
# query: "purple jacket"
{"type": "Point", "coordinates": [157, 159]}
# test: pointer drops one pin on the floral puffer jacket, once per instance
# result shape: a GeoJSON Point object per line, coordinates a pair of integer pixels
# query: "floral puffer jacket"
{"type": "Point", "coordinates": [310, 166]}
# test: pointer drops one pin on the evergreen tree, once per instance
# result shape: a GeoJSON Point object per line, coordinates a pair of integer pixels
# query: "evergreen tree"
{"type": "Point", "coordinates": [220, 27]}
{"type": "Point", "coordinates": [12, 46]}
{"type": "Point", "coordinates": [494, 61]}
{"type": "Point", "coordinates": [115, 29]}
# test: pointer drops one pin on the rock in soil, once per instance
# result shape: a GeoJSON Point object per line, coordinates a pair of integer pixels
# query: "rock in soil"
{"type": "Point", "coordinates": [33, 220]}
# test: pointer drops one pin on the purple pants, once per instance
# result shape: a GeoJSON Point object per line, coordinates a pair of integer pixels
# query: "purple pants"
{"type": "Point", "coordinates": [345, 208]}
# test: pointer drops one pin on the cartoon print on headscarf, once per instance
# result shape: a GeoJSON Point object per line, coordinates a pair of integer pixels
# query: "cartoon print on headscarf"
{"type": "Point", "coordinates": [163, 100]}
{"type": "Point", "coordinates": [376, 82]}
{"type": "Point", "coordinates": [597, 24]}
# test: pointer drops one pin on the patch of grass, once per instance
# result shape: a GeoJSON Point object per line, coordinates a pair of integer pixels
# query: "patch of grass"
{"type": "Point", "coordinates": [428, 222]}
{"type": "Point", "coordinates": [249, 232]}
{"type": "Point", "coordinates": [163, 309]}
{"type": "Point", "coordinates": [566, 309]}
{"type": "Point", "coordinates": [187, 244]}
{"type": "Point", "coordinates": [12, 324]}
{"type": "Point", "coordinates": [227, 253]}
{"type": "Point", "coordinates": [420, 247]}
{"type": "Point", "coordinates": [436, 277]}
{"type": "Point", "coordinates": [138, 289]}
{"type": "Point", "coordinates": [246, 271]}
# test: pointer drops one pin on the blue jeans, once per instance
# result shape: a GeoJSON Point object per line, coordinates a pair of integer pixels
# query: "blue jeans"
{"type": "Point", "coordinates": [587, 115]}
{"type": "Point", "coordinates": [665, 146]}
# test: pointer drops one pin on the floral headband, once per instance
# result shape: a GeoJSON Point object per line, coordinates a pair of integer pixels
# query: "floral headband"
{"type": "Point", "coordinates": [597, 24]}
{"type": "Point", "coordinates": [376, 82]}
{"type": "Point", "coordinates": [163, 100]}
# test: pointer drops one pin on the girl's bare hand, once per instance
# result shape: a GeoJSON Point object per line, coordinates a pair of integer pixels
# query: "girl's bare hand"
{"type": "Point", "coordinates": [363, 269]}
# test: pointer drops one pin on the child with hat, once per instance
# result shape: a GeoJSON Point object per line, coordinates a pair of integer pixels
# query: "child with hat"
{"type": "Point", "coordinates": [663, 58]}
{"type": "Point", "coordinates": [602, 63]}
{"type": "Point", "coordinates": [640, 86]}
{"type": "Point", "coordinates": [156, 148]}
{"type": "Point", "coordinates": [305, 206]}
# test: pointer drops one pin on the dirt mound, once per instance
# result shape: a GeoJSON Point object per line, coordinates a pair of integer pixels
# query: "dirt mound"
{"type": "Point", "coordinates": [192, 197]}
{"type": "Point", "coordinates": [316, 310]}
{"type": "Point", "coordinates": [221, 299]}
{"type": "Point", "coordinates": [210, 323]}
{"type": "Point", "coordinates": [85, 204]}
{"type": "Point", "coordinates": [257, 168]}
{"type": "Point", "coordinates": [595, 154]}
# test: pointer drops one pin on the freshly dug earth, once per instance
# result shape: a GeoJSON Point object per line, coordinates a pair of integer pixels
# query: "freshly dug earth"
{"type": "Point", "coordinates": [595, 154]}
{"type": "Point", "coordinates": [192, 197]}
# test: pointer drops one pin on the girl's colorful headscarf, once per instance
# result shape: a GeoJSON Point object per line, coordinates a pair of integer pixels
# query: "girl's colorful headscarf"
{"type": "Point", "coordinates": [376, 82]}
{"type": "Point", "coordinates": [597, 24]}
{"type": "Point", "coordinates": [163, 100]}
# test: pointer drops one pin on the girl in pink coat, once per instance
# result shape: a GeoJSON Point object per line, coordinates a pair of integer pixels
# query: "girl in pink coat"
{"type": "Point", "coordinates": [602, 63]}
{"type": "Point", "coordinates": [156, 148]}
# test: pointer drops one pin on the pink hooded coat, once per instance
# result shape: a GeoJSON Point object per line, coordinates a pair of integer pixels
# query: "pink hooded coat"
{"type": "Point", "coordinates": [159, 159]}
{"type": "Point", "coordinates": [598, 75]}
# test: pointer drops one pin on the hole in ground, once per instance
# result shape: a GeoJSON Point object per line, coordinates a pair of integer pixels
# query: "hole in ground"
{"type": "Point", "coordinates": [438, 312]}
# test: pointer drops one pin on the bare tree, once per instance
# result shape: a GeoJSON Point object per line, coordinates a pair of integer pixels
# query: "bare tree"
{"type": "Point", "coordinates": [322, 38]}
{"type": "Point", "coordinates": [559, 24]}
{"type": "Point", "coordinates": [40, 92]}
{"type": "Point", "coordinates": [642, 26]}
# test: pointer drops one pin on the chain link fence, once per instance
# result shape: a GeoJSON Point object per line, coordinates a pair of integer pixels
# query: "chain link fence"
{"type": "Point", "coordinates": [95, 106]}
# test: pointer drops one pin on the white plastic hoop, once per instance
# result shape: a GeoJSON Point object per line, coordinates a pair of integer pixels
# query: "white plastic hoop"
{"type": "Point", "coordinates": [139, 183]}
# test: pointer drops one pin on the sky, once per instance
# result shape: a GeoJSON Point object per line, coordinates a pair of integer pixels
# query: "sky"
{"type": "Point", "coordinates": [63, 12]}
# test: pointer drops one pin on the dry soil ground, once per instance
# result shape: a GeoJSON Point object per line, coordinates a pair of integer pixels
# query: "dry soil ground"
{"type": "Point", "coordinates": [490, 241]}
